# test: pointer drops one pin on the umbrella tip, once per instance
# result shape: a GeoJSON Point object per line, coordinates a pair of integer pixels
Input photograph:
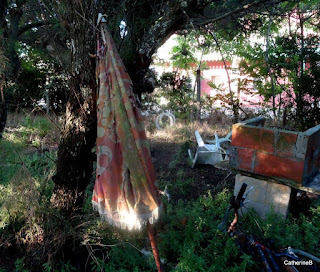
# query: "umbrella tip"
{"type": "Point", "coordinates": [101, 18]}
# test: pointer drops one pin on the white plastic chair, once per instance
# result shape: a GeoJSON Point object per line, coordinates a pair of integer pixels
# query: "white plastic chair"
{"type": "Point", "coordinates": [221, 140]}
{"type": "Point", "coordinates": [207, 153]}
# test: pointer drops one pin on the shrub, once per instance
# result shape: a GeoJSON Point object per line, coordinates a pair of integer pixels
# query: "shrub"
{"type": "Point", "coordinates": [191, 240]}
{"type": "Point", "coordinates": [33, 130]}
{"type": "Point", "coordinates": [177, 90]}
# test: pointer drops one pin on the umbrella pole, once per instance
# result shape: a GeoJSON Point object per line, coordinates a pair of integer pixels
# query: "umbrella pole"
{"type": "Point", "coordinates": [154, 246]}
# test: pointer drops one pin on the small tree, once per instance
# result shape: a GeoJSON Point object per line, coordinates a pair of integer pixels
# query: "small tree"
{"type": "Point", "coordinates": [296, 77]}
{"type": "Point", "coordinates": [301, 66]}
{"type": "Point", "coordinates": [177, 90]}
{"type": "Point", "coordinates": [183, 54]}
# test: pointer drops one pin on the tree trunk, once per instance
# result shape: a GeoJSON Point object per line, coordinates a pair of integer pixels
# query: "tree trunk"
{"type": "Point", "coordinates": [12, 33]}
{"type": "Point", "coordinates": [198, 94]}
{"type": "Point", "coordinates": [269, 71]}
{"type": "Point", "coordinates": [10, 36]}
{"type": "Point", "coordinates": [299, 91]}
{"type": "Point", "coordinates": [75, 156]}
{"type": "Point", "coordinates": [3, 109]}
{"type": "Point", "coordinates": [234, 104]}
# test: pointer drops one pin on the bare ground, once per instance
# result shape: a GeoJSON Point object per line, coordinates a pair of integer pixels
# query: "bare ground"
{"type": "Point", "coordinates": [173, 168]}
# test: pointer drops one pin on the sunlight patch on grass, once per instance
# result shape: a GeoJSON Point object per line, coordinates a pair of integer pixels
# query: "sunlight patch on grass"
{"type": "Point", "coordinates": [182, 132]}
{"type": "Point", "coordinates": [10, 139]}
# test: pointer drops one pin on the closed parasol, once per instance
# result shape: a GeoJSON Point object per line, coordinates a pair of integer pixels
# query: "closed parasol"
{"type": "Point", "coordinates": [124, 191]}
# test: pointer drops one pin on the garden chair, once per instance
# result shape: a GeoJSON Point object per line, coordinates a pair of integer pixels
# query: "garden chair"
{"type": "Point", "coordinates": [207, 153]}
{"type": "Point", "coordinates": [221, 140]}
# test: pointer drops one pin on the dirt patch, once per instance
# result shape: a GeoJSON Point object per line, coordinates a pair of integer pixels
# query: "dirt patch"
{"type": "Point", "coordinates": [173, 168]}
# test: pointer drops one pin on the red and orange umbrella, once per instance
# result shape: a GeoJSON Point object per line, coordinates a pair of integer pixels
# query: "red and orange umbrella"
{"type": "Point", "coordinates": [124, 192]}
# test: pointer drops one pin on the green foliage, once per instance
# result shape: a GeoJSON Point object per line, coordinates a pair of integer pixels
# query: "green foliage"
{"type": "Point", "coordinates": [278, 71]}
{"type": "Point", "coordinates": [223, 95]}
{"type": "Point", "coordinates": [178, 92]}
{"type": "Point", "coordinates": [207, 103]}
{"type": "Point", "coordinates": [123, 259]}
{"type": "Point", "coordinates": [39, 125]}
{"type": "Point", "coordinates": [192, 241]}
{"type": "Point", "coordinates": [181, 155]}
{"type": "Point", "coordinates": [34, 129]}
{"type": "Point", "coordinates": [47, 267]}
{"type": "Point", "coordinates": [67, 267]}
{"type": "Point", "coordinates": [301, 233]}
{"type": "Point", "coordinates": [8, 154]}
{"type": "Point", "coordinates": [120, 249]}
{"type": "Point", "coordinates": [30, 83]}
{"type": "Point", "coordinates": [20, 266]}
{"type": "Point", "coordinates": [63, 267]}
{"type": "Point", "coordinates": [25, 179]}
{"type": "Point", "coordinates": [295, 72]}
{"type": "Point", "coordinates": [183, 54]}
{"type": "Point", "coordinates": [189, 239]}
{"type": "Point", "coordinates": [26, 189]}
{"type": "Point", "coordinates": [34, 78]}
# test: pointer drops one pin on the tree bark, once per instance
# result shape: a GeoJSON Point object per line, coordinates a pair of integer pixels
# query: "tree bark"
{"type": "Point", "coordinates": [3, 109]}
{"type": "Point", "coordinates": [75, 156]}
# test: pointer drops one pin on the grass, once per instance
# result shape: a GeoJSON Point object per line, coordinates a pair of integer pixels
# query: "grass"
{"type": "Point", "coordinates": [182, 132]}
{"type": "Point", "coordinates": [188, 236]}
{"type": "Point", "coordinates": [25, 181]}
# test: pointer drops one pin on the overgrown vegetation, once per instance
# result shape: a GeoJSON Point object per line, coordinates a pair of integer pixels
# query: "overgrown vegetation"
{"type": "Point", "coordinates": [176, 89]}
{"type": "Point", "coordinates": [188, 234]}
{"type": "Point", "coordinates": [295, 74]}
{"type": "Point", "coordinates": [47, 52]}
{"type": "Point", "coordinates": [26, 185]}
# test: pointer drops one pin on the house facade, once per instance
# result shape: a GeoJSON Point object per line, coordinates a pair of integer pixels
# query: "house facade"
{"type": "Point", "coordinates": [215, 73]}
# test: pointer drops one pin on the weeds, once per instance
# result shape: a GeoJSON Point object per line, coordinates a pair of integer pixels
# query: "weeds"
{"type": "Point", "coordinates": [302, 233]}
{"type": "Point", "coordinates": [34, 130]}
{"type": "Point", "coordinates": [122, 258]}
{"type": "Point", "coordinates": [189, 238]}
{"type": "Point", "coordinates": [25, 186]}
{"type": "Point", "coordinates": [20, 266]}
{"type": "Point", "coordinates": [63, 267]}
{"type": "Point", "coordinates": [182, 132]}
{"type": "Point", "coordinates": [182, 154]}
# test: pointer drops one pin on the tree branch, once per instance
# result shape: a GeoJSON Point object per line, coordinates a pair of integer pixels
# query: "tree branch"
{"type": "Point", "coordinates": [240, 11]}
{"type": "Point", "coordinates": [33, 25]}
{"type": "Point", "coordinates": [173, 20]}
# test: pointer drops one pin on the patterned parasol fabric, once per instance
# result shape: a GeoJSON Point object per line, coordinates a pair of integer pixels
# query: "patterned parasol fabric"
{"type": "Point", "coordinates": [124, 192]}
